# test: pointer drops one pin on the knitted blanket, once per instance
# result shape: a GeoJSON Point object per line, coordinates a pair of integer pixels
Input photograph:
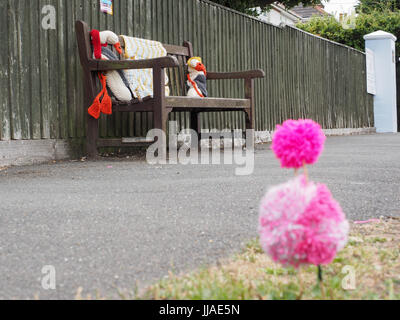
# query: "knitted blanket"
{"type": "Point", "coordinates": [141, 81]}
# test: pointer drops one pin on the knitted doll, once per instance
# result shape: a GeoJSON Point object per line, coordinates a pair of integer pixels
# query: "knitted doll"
{"type": "Point", "coordinates": [197, 78]}
{"type": "Point", "coordinates": [115, 81]}
{"type": "Point", "coordinates": [103, 39]}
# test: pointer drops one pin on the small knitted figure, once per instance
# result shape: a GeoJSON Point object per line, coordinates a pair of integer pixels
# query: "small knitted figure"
{"type": "Point", "coordinates": [103, 39]}
{"type": "Point", "coordinates": [197, 78]}
{"type": "Point", "coordinates": [115, 81]}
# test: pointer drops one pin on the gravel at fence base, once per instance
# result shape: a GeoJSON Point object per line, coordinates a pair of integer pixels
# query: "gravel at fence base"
{"type": "Point", "coordinates": [109, 224]}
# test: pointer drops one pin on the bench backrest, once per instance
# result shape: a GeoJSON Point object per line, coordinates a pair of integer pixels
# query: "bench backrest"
{"type": "Point", "coordinates": [177, 76]}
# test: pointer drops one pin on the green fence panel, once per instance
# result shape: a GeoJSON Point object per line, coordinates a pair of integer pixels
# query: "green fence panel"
{"type": "Point", "coordinates": [41, 91]}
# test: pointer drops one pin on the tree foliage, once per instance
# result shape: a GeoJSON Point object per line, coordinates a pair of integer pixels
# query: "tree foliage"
{"type": "Point", "coordinates": [352, 34]}
{"type": "Point", "coordinates": [246, 5]}
{"type": "Point", "coordinates": [368, 6]}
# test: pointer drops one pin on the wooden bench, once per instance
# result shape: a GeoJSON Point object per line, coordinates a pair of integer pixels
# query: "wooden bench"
{"type": "Point", "coordinates": [160, 105]}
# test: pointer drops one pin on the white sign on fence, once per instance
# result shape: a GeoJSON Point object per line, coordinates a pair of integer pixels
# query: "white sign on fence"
{"type": "Point", "coordinates": [371, 81]}
{"type": "Point", "coordinates": [106, 6]}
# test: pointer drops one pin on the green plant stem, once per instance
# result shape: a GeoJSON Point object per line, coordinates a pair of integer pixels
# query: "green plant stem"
{"type": "Point", "coordinates": [320, 279]}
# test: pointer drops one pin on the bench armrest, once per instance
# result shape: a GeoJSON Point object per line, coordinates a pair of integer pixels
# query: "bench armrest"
{"type": "Point", "coordinates": [250, 74]}
{"type": "Point", "coordinates": [107, 65]}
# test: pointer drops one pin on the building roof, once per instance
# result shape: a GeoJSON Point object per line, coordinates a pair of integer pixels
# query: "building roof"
{"type": "Point", "coordinates": [308, 12]}
{"type": "Point", "coordinates": [286, 16]}
{"type": "Point", "coordinates": [282, 9]}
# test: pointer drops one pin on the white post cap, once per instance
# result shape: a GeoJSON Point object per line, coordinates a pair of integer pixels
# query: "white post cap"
{"type": "Point", "coordinates": [379, 35]}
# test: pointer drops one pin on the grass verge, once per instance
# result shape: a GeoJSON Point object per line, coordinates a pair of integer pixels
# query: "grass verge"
{"type": "Point", "coordinates": [372, 255]}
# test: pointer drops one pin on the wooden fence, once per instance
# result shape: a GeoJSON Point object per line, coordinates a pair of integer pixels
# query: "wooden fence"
{"type": "Point", "coordinates": [41, 91]}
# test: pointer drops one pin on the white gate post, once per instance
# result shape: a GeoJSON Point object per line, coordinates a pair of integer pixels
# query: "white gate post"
{"type": "Point", "coordinates": [381, 70]}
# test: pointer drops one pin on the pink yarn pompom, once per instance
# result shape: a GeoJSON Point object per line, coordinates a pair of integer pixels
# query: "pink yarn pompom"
{"type": "Point", "coordinates": [297, 143]}
{"type": "Point", "coordinates": [300, 223]}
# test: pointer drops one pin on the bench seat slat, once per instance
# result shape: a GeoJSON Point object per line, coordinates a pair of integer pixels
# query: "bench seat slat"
{"type": "Point", "coordinates": [210, 103]}
{"type": "Point", "coordinates": [184, 103]}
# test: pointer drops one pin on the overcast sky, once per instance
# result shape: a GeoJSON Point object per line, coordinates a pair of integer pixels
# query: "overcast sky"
{"type": "Point", "coordinates": [340, 6]}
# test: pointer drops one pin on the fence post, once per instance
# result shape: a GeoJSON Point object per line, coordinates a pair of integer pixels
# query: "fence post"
{"type": "Point", "coordinates": [381, 70]}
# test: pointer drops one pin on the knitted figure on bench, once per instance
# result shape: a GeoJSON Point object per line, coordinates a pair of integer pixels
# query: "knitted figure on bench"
{"type": "Point", "coordinates": [113, 82]}
{"type": "Point", "coordinates": [197, 78]}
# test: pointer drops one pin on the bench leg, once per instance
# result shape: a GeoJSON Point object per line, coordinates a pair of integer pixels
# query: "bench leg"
{"type": "Point", "coordinates": [92, 134]}
{"type": "Point", "coordinates": [92, 137]}
{"type": "Point", "coordinates": [195, 125]}
{"type": "Point", "coordinates": [160, 122]}
{"type": "Point", "coordinates": [249, 120]}
{"type": "Point", "coordinates": [250, 113]}
{"type": "Point", "coordinates": [160, 111]}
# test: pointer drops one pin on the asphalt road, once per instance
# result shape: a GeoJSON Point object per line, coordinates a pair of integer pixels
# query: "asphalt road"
{"type": "Point", "coordinates": [123, 223]}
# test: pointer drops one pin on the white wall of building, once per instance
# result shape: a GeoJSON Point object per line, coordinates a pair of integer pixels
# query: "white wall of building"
{"type": "Point", "coordinates": [276, 18]}
{"type": "Point", "coordinates": [337, 7]}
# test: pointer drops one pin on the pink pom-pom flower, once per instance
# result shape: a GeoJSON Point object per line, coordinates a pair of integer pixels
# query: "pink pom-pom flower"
{"type": "Point", "coordinates": [298, 142]}
{"type": "Point", "coordinates": [300, 223]}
